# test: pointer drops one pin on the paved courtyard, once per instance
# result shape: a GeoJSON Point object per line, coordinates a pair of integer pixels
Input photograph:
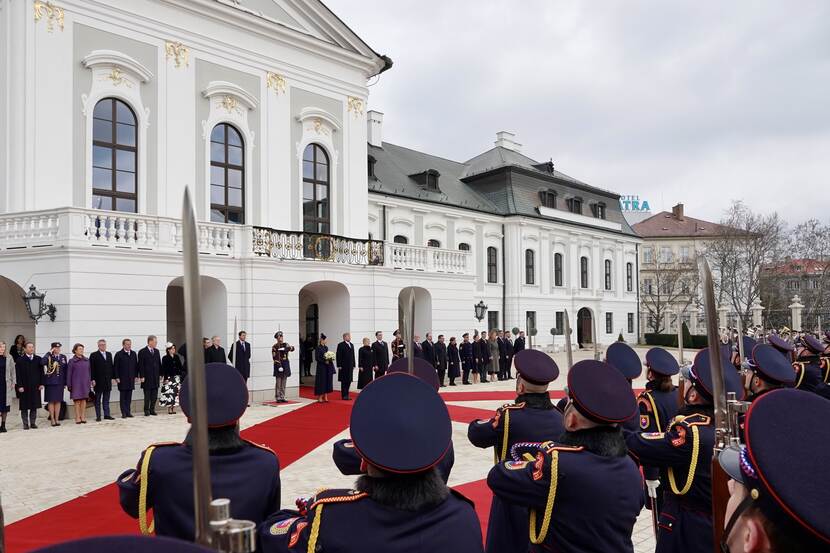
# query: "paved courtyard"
{"type": "Point", "coordinates": [49, 466]}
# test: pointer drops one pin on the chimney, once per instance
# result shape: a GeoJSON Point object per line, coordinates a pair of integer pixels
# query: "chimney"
{"type": "Point", "coordinates": [506, 139]}
{"type": "Point", "coordinates": [374, 122]}
{"type": "Point", "coordinates": [677, 212]}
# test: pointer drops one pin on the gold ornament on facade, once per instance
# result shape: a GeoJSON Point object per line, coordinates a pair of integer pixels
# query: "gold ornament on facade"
{"type": "Point", "coordinates": [117, 77]}
{"type": "Point", "coordinates": [275, 82]}
{"type": "Point", "coordinates": [319, 128]}
{"type": "Point", "coordinates": [230, 103]}
{"type": "Point", "coordinates": [179, 53]}
{"type": "Point", "coordinates": [52, 13]}
{"type": "Point", "coordinates": [355, 105]}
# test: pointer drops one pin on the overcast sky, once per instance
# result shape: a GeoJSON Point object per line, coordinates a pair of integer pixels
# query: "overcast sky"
{"type": "Point", "coordinates": [693, 102]}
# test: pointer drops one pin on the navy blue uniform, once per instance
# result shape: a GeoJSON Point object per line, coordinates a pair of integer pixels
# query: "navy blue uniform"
{"type": "Point", "coordinates": [685, 522]}
{"type": "Point", "coordinates": [347, 520]}
{"type": "Point", "coordinates": [657, 409]}
{"type": "Point", "coordinates": [468, 361]}
{"type": "Point", "coordinates": [125, 365]}
{"type": "Point", "coordinates": [533, 418]}
{"type": "Point", "coordinates": [808, 375]}
{"type": "Point", "coordinates": [170, 486]}
{"type": "Point", "coordinates": [596, 503]}
{"type": "Point", "coordinates": [348, 461]}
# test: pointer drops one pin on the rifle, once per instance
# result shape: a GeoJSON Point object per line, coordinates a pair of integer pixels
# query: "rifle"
{"type": "Point", "coordinates": [406, 324]}
{"type": "Point", "coordinates": [212, 522]}
{"type": "Point", "coordinates": [568, 346]}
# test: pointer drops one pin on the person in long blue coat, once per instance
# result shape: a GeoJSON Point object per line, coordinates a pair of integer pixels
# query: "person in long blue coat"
{"type": "Point", "coordinates": [324, 375]}
{"type": "Point", "coordinates": [244, 472]}
{"type": "Point", "coordinates": [684, 452]}
{"type": "Point", "coordinates": [531, 418]}
{"type": "Point", "coordinates": [125, 365]}
{"type": "Point", "coordinates": [401, 503]}
{"type": "Point", "coordinates": [468, 360]}
{"type": "Point", "coordinates": [149, 373]}
{"type": "Point", "coordinates": [454, 360]}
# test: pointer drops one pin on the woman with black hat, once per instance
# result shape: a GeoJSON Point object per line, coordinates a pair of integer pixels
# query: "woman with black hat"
{"type": "Point", "coordinates": [172, 372]}
{"type": "Point", "coordinates": [54, 378]}
{"type": "Point", "coordinates": [324, 375]}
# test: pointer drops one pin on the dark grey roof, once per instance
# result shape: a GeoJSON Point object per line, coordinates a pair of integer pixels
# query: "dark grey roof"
{"type": "Point", "coordinates": [498, 157]}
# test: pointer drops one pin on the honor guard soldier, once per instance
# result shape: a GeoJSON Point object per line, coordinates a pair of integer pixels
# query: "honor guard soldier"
{"type": "Point", "coordinates": [684, 452]}
{"type": "Point", "coordinates": [401, 429]}
{"type": "Point", "coordinates": [773, 507]}
{"type": "Point", "coordinates": [348, 460]}
{"type": "Point", "coordinates": [784, 347]}
{"type": "Point", "coordinates": [622, 357]}
{"type": "Point", "coordinates": [583, 491]}
{"type": "Point", "coordinates": [658, 406]}
{"type": "Point", "coordinates": [808, 365]}
{"type": "Point", "coordinates": [245, 473]}
{"type": "Point", "coordinates": [531, 418]}
{"type": "Point", "coordinates": [282, 366]}
{"type": "Point", "coordinates": [766, 370]}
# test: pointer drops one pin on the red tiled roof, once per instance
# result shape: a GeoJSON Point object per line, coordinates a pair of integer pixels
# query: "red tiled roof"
{"type": "Point", "coordinates": [795, 267]}
{"type": "Point", "coordinates": [667, 225]}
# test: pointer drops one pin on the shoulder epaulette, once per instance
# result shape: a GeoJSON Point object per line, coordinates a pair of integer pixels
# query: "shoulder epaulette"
{"type": "Point", "coordinates": [513, 405]}
{"type": "Point", "coordinates": [550, 447]}
{"type": "Point", "coordinates": [695, 419]}
{"type": "Point", "coordinates": [327, 497]}
{"type": "Point", "coordinates": [162, 444]}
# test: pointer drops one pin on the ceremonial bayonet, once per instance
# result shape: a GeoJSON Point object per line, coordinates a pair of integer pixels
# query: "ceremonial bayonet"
{"type": "Point", "coordinates": [406, 324]}
{"type": "Point", "coordinates": [680, 337]}
{"type": "Point", "coordinates": [596, 338]}
{"type": "Point", "coordinates": [568, 346]}
{"type": "Point", "coordinates": [741, 351]}
{"type": "Point", "coordinates": [233, 341]}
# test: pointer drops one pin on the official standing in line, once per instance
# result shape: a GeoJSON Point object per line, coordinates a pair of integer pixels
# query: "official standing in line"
{"type": "Point", "coordinates": [502, 366]}
{"type": "Point", "coordinates": [28, 371]}
{"type": "Point", "coordinates": [468, 360]}
{"type": "Point", "coordinates": [417, 348]}
{"type": "Point", "coordinates": [658, 406]}
{"type": "Point", "coordinates": [684, 452]}
{"type": "Point", "coordinates": [365, 364]}
{"type": "Point", "coordinates": [401, 428]}
{"type": "Point", "coordinates": [493, 365]}
{"type": "Point", "coordinates": [345, 360]}
{"type": "Point", "coordinates": [126, 371]}
{"type": "Point", "coordinates": [54, 380]}
{"type": "Point", "coordinates": [511, 351]}
{"type": "Point", "coordinates": [773, 507]}
{"type": "Point", "coordinates": [381, 351]}
{"type": "Point", "coordinates": [79, 382]}
{"type": "Point", "coordinates": [103, 371]}
{"type": "Point", "coordinates": [245, 473]}
{"type": "Point", "coordinates": [398, 347]}
{"type": "Point", "coordinates": [531, 418]}
{"type": "Point", "coordinates": [441, 359]}
{"type": "Point", "coordinates": [149, 374]}
{"type": "Point", "coordinates": [324, 373]}
{"type": "Point", "coordinates": [282, 365]}
{"type": "Point", "coordinates": [428, 348]}
{"type": "Point", "coordinates": [172, 373]}
{"type": "Point", "coordinates": [453, 360]}
{"type": "Point", "coordinates": [214, 352]}
{"type": "Point", "coordinates": [583, 491]}
{"type": "Point", "coordinates": [6, 386]}
{"type": "Point", "coordinates": [519, 343]}
{"type": "Point", "coordinates": [240, 356]}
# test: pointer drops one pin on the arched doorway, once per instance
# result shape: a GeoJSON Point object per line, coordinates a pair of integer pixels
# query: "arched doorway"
{"type": "Point", "coordinates": [325, 307]}
{"type": "Point", "coordinates": [584, 326]}
{"type": "Point", "coordinates": [423, 309]}
{"type": "Point", "coordinates": [214, 310]}
{"type": "Point", "coordinates": [15, 319]}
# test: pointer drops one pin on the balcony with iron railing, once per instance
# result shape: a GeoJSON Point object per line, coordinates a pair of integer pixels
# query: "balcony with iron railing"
{"type": "Point", "coordinates": [90, 228]}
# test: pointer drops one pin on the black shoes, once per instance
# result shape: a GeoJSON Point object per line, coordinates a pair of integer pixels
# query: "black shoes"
{"type": "Point", "coordinates": [3, 429]}
{"type": "Point", "coordinates": [109, 418]}
{"type": "Point", "coordinates": [154, 413]}
{"type": "Point", "coordinates": [97, 419]}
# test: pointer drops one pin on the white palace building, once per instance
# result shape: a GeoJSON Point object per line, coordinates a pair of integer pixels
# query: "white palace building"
{"type": "Point", "coordinates": [311, 223]}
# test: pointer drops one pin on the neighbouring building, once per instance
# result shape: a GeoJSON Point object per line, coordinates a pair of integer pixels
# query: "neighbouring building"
{"type": "Point", "coordinates": [792, 281]}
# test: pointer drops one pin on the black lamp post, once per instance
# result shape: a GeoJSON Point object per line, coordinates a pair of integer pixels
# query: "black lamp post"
{"type": "Point", "coordinates": [481, 310]}
{"type": "Point", "coordinates": [36, 305]}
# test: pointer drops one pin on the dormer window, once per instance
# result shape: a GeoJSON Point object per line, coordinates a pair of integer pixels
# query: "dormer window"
{"type": "Point", "coordinates": [575, 205]}
{"type": "Point", "coordinates": [548, 198]}
{"type": "Point", "coordinates": [371, 167]}
{"type": "Point", "coordinates": [598, 209]}
{"type": "Point", "coordinates": [428, 180]}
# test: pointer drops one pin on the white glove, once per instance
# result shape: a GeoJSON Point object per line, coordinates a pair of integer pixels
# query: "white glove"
{"type": "Point", "coordinates": [652, 486]}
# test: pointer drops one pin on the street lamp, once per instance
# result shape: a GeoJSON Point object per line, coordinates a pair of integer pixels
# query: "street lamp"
{"type": "Point", "coordinates": [36, 305]}
{"type": "Point", "coordinates": [481, 310]}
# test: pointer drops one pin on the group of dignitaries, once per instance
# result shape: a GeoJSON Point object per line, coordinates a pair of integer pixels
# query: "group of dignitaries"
{"type": "Point", "coordinates": [570, 477]}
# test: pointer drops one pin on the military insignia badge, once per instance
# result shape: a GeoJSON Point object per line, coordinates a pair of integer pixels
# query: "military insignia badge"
{"type": "Point", "coordinates": [652, 435]}
{"type": "Point", "coordinates": [516, 465]}
{"type": "Point", "coordinates": [295, 536]}
{"type": "Point", "coordinates": [644, 421]}
{"type": "Point", "coordinates": [281, 528]}
{"type": "Point", "coordinates": [537, 466]}
{"type": "Point", "coordinates": [681, 437]}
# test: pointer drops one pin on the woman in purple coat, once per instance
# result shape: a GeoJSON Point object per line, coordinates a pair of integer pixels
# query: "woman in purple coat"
{"type": "Point", "coordinates": [79, 382]}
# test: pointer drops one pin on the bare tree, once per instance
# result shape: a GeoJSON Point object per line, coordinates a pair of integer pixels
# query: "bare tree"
{"type": "Point", "coordinates": [746, 242]}
{"type": "Point", "coordinates": [667, 287]}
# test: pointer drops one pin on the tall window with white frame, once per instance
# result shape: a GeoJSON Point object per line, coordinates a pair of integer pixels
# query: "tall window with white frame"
{"type": "Point", "coordinates": [557, 269]}
{"type": "Point", "coordinates": [630, 323]}
{"type": "Point", "coordinates": [629, 277]}
{"type": "Point", "coordinates": [530, 267]}
{"type": "Point", "coordinates": [609, 323]}
{"type": "Point", "coordinates": [227, 175]}
{"type": "Point", "coordinates": [583, 272]}
{"type": "Point", "coordinates": [492, 265]}
{"type": "Point", "coordinates": [607, 274]}
{"type": "Point", "coordinates": [114, 156]}
{"type": "Point", "coordinates": [316, 206]}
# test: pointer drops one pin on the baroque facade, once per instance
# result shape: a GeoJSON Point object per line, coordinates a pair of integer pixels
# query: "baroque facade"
{"type": "Point", "coordinates": [261, 108]}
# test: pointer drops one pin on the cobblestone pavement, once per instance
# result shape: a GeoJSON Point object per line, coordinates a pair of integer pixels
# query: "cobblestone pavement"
{"type": "Point", "coordinates": [43, 468]}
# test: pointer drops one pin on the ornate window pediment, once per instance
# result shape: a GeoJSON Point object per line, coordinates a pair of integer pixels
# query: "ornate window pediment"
{"type": "Point", "coordinates": [229, 103]}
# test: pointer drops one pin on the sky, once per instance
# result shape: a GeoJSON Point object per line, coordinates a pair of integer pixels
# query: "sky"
{"type": "Point", "coordinates": [694, 102]}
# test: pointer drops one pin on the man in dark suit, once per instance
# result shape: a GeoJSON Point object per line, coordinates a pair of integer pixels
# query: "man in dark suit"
{"type": "Point", "coordinates": [215, 353]}
{"type": "Point", "coordinates": [126, 369]}
{"type": "Point", "coordinates": [429, 350]}
{"type": "Point", "coordinates": [510, 351]}
{"type": "Point", "coordinates": [440, 359]}
{"type": "Point", "coordinates": [149, 367]}
{"type": "Point", "coordinates": [241, 356]}
{"type": "Point", "coordinates": [500, 340]}
{"type": "Point", "coordinates": [381, 351]}
{"type": "Point", "coordinates": [417, 349]}
{"type": "Point", "coordinates": [345, 361]}
{"type": "Point", "coordinates": [519, 344]}
{"type": "Point", "coordinates": [28, 382]}
{"type": "Point", "coordinates": [102, 371]}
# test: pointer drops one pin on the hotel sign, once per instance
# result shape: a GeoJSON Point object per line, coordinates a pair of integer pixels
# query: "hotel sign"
{"type": "Point", "coordinates": [633, 204]}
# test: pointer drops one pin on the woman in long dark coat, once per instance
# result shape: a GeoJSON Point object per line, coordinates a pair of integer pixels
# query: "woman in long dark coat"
{"type": "Point", "coordinates": [18, 347]}
{"type": "Point", "coordinates": [28, 382]}
{"type": "Point", "coordinates": [454, 360]}
{"type": "Point", "coordinates": [172, 374]}
{"type": "Point", "coordinates": [6, 387]}
{"type": "Point", "coordinates": [324, 375]}
{"type": "Point", "coordinates": [366, 364]}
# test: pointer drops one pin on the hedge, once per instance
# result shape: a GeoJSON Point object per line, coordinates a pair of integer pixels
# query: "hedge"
{"type": "Point", "coordinates": [693, 341]}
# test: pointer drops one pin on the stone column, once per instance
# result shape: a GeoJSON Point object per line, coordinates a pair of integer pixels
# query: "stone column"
{"type": "Point", "coordinates": [796, 307]}
{"type": "Point", "coordinates": [757, 311]}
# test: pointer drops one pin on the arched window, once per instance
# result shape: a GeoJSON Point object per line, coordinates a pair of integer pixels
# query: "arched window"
{"type": "Point", "coordinates": [492, 265]}
{"type": "Point", "coordinates": [227, 175]}
{"type": "Point", "coordinates": [530, 267]}
{"type": "Point", "coordinates": [114, 156]}
{"type": "Point", "coordinates": [583, 272]}
{"type": "Point", "coordinates": [464, 247]}
{"type": "Point", "coordinates": [316, 190]}
{"type": "Point", "coordinates": [557, 269]}
{"type": "Point", "coordinates": [629, 277]}
{"type": "Point", "coordinates": [432, 243]}
{"type": "Point", "coordinates": [398, 239]}
{"type": "Point", "coordinates": [607, 274]}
